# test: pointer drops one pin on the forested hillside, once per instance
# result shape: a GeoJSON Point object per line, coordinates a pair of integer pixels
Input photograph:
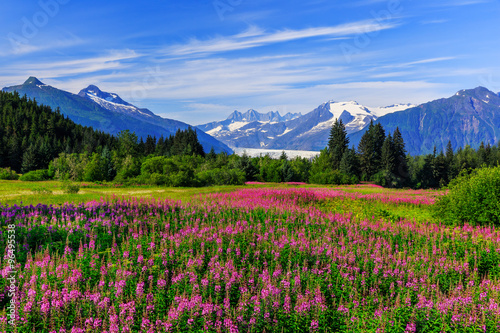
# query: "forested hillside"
{"type": "Point", "coordinates": [43, 144]}
{"type": "Point", "coordinates": [32, 135]}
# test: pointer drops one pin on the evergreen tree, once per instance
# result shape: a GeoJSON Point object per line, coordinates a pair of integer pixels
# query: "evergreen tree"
{"type": "Point", "coordinates": [149, 146]}
{"type": "Point", "coordinates": [160, 147]}
{"type": "Point", "coordinates": [400, 158]}
{"type": "Point", "coordinates": [370, 150]}
{"type": "Point", "coordinates": [211, 156]}
{"type": "Point", "coordinates": [286, 171]}
{"type": "Point", "coordinates": [283, 156]}
{"type": "Point", "coordinates": [349, 164]}
{"type": "Point", "coordinates": [426, 174]}
{"type": "Point", "coordinates": [14, 156]}
{"type": "Point", "coordinates": [30, 159]}
{"type": "Point", "coordinates": [440, 170]}
{"type": "Point", "coordinates": [366, 153]}
{"type": "Point", "coordinates": [378, 138]}
{"type": "Point", "coordinates": [388, 156]}
{"type": "Point", "coordinates": [245, 164]}
{"type": "Point", "coordinates": [338, 143]}
{"type": "Point", "coordinates": [127, 144]}
{"type": "Point", "coordinates": [481, 155]}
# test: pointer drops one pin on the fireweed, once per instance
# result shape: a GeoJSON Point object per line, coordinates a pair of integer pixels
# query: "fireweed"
{"type": "Point", "coordinates": [247, 261]}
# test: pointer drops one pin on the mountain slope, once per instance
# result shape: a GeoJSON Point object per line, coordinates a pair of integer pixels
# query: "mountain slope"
{"type": "Point", "coordinates": [108, 112]}
{"type": "Point", "coordinates": [467, 118]}
{"type": "Point", "coordinates": [293, 131]}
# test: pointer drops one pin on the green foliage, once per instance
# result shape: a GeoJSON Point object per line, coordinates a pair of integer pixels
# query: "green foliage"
{"type": "Point", "coordinates": [8, 174]}
{"type": "Point", "coordinates": [221, 177]}
{"type": "Point", "coordinates": [333, 177]}
{"type": "Point", "coordinates": [338, 143]}
{"type": "Point", "coordinates": [36, 176]}
{"type": "Point", "coordinates": [473, 198]}
{"type": "Point", "coordinates": [31, 135]}
{"type": "Point", "coordinates": [349, 164]}
{"type": "Point", "coordinates": [370, 150]}
{"type": "Point", "coordinates": [69, 166]}
{"type": "Point", "coordinates": [244, 163]}
{"type": "Point", "coordinates": [70, 187]}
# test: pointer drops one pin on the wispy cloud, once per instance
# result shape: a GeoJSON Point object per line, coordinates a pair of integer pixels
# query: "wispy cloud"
{"type": "Point", "coordinates": [112, 60]}
{"type": "Point", "coordinates": [17, 48]}
{"type": "Point", "coordinates": [437, 21]}
{"type": "Point", "coordinates": [255, 37]}
{"type": "Point", "coordinates": [418, 62]}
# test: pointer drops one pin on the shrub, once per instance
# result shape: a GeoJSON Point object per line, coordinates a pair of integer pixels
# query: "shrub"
{"type": "Point", "coordinates": [36, 176]}
{"type": "Point", "coordinates": [333, 177]}
{"type": "Point", "coordinates": [222, 177]}
{"type": "Point", "coordinates": [8, 174]}
{"type": "Point", "coordinates": [473, 198]}
{"type": "Point", "coordinates": [70, 188]}
{"type": "Point", "coordinates": [183, 178]}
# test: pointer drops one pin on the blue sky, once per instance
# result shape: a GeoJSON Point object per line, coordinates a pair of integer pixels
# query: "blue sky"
{"type": "Point", "coordinates": [197, 61]}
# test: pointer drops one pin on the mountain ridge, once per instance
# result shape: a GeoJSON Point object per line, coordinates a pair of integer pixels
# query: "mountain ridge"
{"type": "Point", "coordinates": [293, 131]}
{"type": "Point", "coordinates": [469, 117]}
{"type": "Point", "coordinates": [108, 115]}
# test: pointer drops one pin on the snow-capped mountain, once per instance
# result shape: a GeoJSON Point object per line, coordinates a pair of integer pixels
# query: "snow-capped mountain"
{"type": "Point", "coordinates": [112, 102]}
{"type": "Point", "coordinates": [469, 117]}
{"type": "Point", "coordinates": [107, 112]}
{"type": "Point", "coordinates": [236, 120]}
{"type": "Point", "coordinates": [294, 131]}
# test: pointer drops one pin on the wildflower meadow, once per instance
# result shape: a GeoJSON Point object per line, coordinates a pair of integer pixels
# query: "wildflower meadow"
{"type": "Point", "coordinates": [250, 260]}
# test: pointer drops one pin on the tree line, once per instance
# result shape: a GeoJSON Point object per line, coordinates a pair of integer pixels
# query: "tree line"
{"type": "Point", "coordinates": [44, 144]}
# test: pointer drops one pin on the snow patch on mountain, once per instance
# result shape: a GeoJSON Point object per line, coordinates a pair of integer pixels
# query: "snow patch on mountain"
{"type": "Point", "coordinates": [294, 131]}
{"type": "Point", "coordinates": [116, 107]}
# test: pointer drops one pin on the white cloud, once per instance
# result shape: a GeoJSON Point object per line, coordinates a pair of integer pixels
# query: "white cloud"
{"type": "Point", "coordinates": [67, 68]}
{"type": "Point", "coordinates": [255, 37]}
{"type": "Point", "coordinates": [437, 21]}
{"type": "Point", "coordinates": [20, 46]}
{"type": "Point", "coordinates": [418, 62]}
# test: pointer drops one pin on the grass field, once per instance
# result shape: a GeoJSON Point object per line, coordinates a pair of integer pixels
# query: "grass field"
{"type": "Point", "coordinates": [253, 258]}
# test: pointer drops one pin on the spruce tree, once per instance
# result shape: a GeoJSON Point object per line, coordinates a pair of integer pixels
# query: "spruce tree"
{"type": "Point", "coordinates": [211, 156]}
{"type": "Point", "coordinates": [349, 164]}
{"type": "Point", "coordinates": [388, 155]}
{"type": "Point", "coordinates": [370, 150]}
{"type": "Point", "coordinates": [338, 143]}
{"type": "Point", "coordinates": [30, 159]}
{"type": "Point", "coordinates": [400, 159]}
{"type": "Point", "coordinates": [378, 138]}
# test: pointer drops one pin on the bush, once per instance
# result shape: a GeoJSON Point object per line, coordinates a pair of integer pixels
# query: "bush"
{"type": "Point", "coordinates": [8, 174]}
{"type": "Point", "coordinates": [36, 176]}
{"type": "Point", "coordinates": [333, 177]}
{"type": "Point", "coordinates": [70, 188]}
{"type": "Point", "coordinates": [473, 198]}
{"type": "Point", "coordinates": [183, 178]}
{"type": "Point", "coordinates": [222, 177]}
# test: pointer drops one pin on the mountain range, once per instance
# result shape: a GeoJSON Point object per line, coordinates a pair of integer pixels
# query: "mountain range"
{"type": "Point", "coordinates": [108, 112]}
{"type": "Point", "coordinates": [467, 118]}
{"type": "Point", "coordinates": [293, 131]}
